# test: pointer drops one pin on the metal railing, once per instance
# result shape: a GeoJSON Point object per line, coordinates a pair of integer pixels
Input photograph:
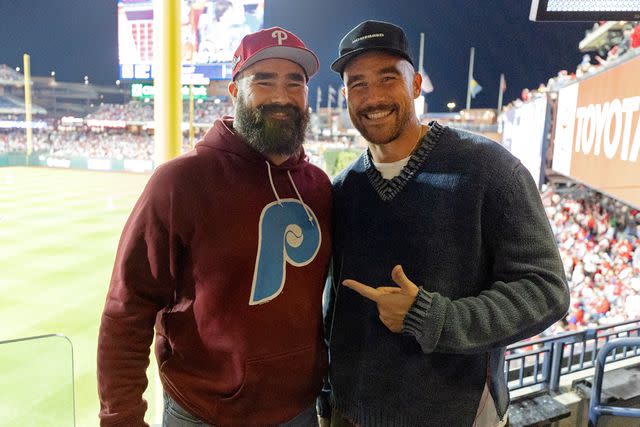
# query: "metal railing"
{"type": "Point", "coordinates": [595, 407]}
{"type": "Point", "coordinates": [540, 363]}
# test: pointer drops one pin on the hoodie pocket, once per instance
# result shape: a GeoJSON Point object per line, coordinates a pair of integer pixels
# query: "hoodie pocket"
{"type": "Point", "coordinates": [275, 382]}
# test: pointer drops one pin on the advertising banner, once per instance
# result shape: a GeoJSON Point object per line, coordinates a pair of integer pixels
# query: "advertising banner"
{"type": "Point", "coordinates": [597, 136]}
{"type": "Point", "coordinates": [524, 131]}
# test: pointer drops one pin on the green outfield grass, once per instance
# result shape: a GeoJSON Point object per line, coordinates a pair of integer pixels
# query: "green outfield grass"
{"type": "Point", "coordinates": [59, 230]}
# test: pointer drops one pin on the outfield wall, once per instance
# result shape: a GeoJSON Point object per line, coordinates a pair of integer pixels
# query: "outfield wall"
{"type": "Point", "coordinates": [45, 160]}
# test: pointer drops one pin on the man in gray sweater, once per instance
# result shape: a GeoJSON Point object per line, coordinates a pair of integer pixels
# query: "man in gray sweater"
{"type": "Point", "coordinates": [457, 223]}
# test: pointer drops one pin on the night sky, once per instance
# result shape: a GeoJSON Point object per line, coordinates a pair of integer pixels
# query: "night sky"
{"type": "Point", "coordinates": [79, 37]}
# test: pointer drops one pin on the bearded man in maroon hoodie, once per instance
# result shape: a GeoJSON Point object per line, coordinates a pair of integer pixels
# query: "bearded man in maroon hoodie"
{"type": "Point", "coordinates": [224, 256]}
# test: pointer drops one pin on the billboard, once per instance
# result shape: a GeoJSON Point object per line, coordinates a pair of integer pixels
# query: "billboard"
{"type": "Point", "coordinates": [147, 91]}
{"type": "Point", "coordinates": [524, 131]}
{"type": "Point", "coordinates": [211, 30]}
{"type": "Point", "coordinates": [597, 136]}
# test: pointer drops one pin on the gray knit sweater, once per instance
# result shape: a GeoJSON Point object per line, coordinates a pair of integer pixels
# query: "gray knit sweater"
{"type": "Point", "coordinates": [465, 220]}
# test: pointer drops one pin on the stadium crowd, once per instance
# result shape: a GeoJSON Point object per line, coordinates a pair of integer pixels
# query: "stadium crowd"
{"type": "Point", "coordinates": [84, 142]}
{"type": "Point", "coordinates": [599, 242]}
{"type": "Point", "coordinates": [624, 46]}
{"type": "Point", "coordinates": [140, 111]}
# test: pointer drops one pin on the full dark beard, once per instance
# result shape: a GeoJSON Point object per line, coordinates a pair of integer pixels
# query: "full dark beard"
{"type": "Point", "coordinates": [267, 134]}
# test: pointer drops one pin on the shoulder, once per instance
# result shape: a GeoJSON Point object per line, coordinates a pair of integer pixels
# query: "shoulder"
{"type": "Point", "coordinates": [176, 172]}
{"type": "Point", "coordinates": [475, 144]}
{"type": "Point", "coordinates": [318, 175]}
{"type": "Point", "coordinates": [476, 155]}
{"type": "Point", "coordinates": [355, 169]}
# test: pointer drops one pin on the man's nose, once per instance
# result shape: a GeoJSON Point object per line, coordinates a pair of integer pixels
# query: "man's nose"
{"type": "Point", "coordinates": [280, 95]}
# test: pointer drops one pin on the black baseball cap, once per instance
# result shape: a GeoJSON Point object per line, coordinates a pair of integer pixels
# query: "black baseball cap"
{"type": "Point", "coordinates": [372, 35]}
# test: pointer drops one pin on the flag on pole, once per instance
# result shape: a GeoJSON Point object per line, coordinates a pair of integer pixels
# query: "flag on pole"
{"type": "Point", "coordinates": [501, 90]}
{"type": "Point", "coordinates": [474, 87]}
{"type": "Point", "coordinates": [331, 98]}
{"type": "Point", "coordinates": [318, 99]}
{"type": "Point", "coordinates": [427, 86]}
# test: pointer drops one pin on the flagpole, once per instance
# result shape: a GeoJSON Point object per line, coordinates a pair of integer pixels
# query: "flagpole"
{"type": "Point", "coordinates": [329, 118]}
{"type": "Point", "coordinates": [27, 103]}
{"type": "Point", "coordinates": [473, 50]}
{"type": "Point", "coordinates": [500, 93]}
{"type": "Point", "coordinates": [340, 109]}
{"type": "Point", "coordinates": [421, 57]}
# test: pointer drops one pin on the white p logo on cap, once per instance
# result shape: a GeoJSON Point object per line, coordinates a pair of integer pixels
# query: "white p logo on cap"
{"type": "Point", "coordinates": [280, 35]}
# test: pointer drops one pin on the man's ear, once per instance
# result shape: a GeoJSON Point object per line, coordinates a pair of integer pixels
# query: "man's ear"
{"type": "Point", "coordinates": [233, 89]}
{"type": "Point", "coordinates": [417, 85]}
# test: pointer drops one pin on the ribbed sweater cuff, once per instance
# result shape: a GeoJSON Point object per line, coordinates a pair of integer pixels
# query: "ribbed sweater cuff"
{"type": "Point", "coordinates": [417, 314]}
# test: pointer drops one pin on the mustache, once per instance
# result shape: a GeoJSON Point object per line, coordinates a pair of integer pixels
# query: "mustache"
{"type": "Point", "coordinates": [374, 108]}
{"type": "Point", "coordinates": [289, 109]}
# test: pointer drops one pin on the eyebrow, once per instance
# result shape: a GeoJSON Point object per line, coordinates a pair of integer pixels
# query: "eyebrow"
{"type": "Point", "coordinates": [386, 70]}
{"type": "Point", "coordinates": [262, 75]}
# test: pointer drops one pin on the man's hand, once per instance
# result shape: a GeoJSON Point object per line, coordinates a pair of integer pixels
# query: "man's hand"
{"type": "Point", "coordinates": [393, 302]}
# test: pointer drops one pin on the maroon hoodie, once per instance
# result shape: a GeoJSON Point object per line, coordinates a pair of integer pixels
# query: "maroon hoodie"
{"type": "Point", "coordinates": [226, 254]}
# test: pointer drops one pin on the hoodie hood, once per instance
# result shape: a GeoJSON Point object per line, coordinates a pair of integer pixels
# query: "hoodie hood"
{"type": "Point", "coordinates": [222, 136]}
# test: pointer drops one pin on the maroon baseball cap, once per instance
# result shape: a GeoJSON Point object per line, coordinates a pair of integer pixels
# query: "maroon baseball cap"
{"type": "Point", "coordinates": [273, 42]}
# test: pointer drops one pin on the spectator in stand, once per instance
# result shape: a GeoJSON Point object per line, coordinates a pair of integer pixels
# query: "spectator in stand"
{"type": "Point", "coordinates": [635, 37]}
{"type": "Point", "coordinates": [598, 250]}
{"type": "Point", "coordinates": [464, 218]}
{"type": "Point", "coordinates": [226, 253]}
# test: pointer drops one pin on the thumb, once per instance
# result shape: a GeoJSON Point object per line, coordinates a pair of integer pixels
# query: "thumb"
{"type": "Point", "coordinates": [401, 279]}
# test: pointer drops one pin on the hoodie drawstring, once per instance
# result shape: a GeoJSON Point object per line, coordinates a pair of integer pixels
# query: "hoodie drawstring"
{"type": "Point", "coordinates": [273, 187]}
{"type": "Point", "coordinates": [300, 197]}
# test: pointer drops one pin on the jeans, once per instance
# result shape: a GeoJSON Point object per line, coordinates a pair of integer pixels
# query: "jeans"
{"type": "Point", "coordinates": [175, 416]}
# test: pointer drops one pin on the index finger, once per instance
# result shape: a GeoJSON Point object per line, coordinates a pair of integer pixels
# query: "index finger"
{"type": "Point", "coordinates": [362, 289]}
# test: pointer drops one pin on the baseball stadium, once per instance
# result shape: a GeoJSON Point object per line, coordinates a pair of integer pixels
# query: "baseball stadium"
{"type": "Point", "coordinates": [76, 156]}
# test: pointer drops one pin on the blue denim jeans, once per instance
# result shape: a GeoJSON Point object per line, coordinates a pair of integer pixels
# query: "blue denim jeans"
{"type": "Point", "coordinates": [175, 416]}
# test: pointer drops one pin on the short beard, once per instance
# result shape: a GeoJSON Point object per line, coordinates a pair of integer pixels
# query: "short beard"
{"type": "Point", "coordinates": [380, 138]}
{"type": "Point", "coordinates": [268, 135]}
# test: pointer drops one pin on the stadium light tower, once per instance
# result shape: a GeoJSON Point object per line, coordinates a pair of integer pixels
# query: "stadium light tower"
{"type": "Point", "coordinates": [585, 10]}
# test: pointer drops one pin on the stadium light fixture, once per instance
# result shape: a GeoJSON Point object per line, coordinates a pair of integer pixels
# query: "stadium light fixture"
{"type": "Point", "coordinates": [451, 105]}
{"type": "Point", "coordinates": [585, 10]}
{"type": "Point", "coordinates": [17, 69]}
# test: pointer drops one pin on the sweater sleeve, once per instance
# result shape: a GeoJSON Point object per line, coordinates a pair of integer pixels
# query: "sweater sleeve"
{"type": "Point", "coordinates": [141, 285]}
{"type": "Point", "coordinates": [527, 290]}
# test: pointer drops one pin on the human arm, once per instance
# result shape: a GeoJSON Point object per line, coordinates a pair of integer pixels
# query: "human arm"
{"type": "Point", "coordinates": [141, 285]}
{"type": "Point", "coordinates": [323, 405]}
{"type": "Point", "coordinates": [525, 291]}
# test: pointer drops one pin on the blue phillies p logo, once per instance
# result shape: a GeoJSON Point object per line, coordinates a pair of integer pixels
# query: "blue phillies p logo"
{"type": "Point", "coordinates": [286, 235]}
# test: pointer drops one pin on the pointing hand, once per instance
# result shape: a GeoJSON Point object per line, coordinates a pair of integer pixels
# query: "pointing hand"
{"type": "Point", "coordinates": [393, 302]}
